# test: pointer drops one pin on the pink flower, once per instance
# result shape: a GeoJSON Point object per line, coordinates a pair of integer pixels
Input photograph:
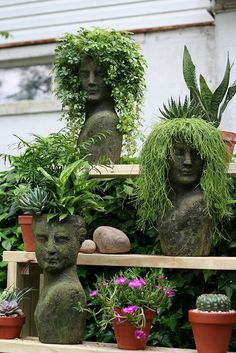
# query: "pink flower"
{"type": "Point", "coordinates": [136, 283]}
{"type": "Point", "coordinates": [121, 280]}
{"type": "Point", "coordinates": [171, 293]}
{"type": "Point", "coordinates": [162, 277]}
{"type": "Point", "coordinates": [130, 309]}
{"type": "Point", "coordinates": [105, 284]}
{"type": "Point", "coordinates": [140, 335]}
{"type": "Point", "coordinates": [93, 294]}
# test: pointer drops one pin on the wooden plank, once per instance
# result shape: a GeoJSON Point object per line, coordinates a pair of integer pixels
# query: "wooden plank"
{"type": "Point", "coordinates": [128, 170]}
{"type": "Point", "coordinates": [33, 345]}
{"type": "Point", "coordinates": [116, 170]}
{"type": "Point", "coordinates": [136, 260]}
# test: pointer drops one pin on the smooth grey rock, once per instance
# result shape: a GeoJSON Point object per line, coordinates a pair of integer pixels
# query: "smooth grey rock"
{"type": "Point", "coordinates": [111, 240]}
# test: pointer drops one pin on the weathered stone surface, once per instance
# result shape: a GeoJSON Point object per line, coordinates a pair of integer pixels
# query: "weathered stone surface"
{"type": "Point", "coordinates": [88, 246]}
{"type": "Point", "coordinates": [111, 240]}
{"type": "Point", "coordinates": [57, 247]}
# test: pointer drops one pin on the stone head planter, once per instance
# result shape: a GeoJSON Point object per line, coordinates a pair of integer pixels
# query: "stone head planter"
{"type": "Point", "coordinates": [56, 246]}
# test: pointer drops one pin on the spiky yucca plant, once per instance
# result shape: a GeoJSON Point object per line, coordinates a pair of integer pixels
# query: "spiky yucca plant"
{"type": "Point", "coordinates": [212, 104]}
{"type": "Point", "coordinates": [158, 151]}
{"type": "Point", "coordinates": [213, 302]}
{"type": "Point", "coordinates": [187, 109]}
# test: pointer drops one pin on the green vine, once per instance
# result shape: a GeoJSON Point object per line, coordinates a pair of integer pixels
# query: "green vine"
{"type": "Point", "coordinates": [124, 64]}
{"type": "Point", "coordinates": [157, 154]}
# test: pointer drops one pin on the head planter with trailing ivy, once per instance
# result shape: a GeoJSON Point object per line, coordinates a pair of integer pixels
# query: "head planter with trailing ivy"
{"type": "Point", "coordinates": [120, 56]}
{"type": "Point", "coordinates": [157, 153]}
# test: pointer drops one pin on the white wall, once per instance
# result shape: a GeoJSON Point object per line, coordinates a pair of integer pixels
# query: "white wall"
{"type": "Point", "coordinates": [163, 50]}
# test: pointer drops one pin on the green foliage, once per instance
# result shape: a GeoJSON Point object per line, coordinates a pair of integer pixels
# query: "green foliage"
{"type": "Point", "coordinates": [212, 104]}
{"type": "Point", "coordinates": [34, 201]}
{"type": "Point", "coordinates": [129, 292]}
{"type": "Point", "coordinates": [120, 56]}
{"type": "Point", "coordinates": [157, 153]}
{"type": "Point", "coordinates": [186, 110]}
{"type": "Point", "coordinates": [4, 34]}
{"type": "Point", "coordinates": [213, 302]}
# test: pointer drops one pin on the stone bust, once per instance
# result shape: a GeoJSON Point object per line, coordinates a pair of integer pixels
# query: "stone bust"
{"type": "Point", "coordinates": [187, 220]}
{"type": "Point", "coordinates": [57, 246]}
{"type": "Point", "coordinates": [100, 117]}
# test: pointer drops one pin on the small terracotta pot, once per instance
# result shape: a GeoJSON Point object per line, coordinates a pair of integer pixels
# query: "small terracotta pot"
{"type": "Point", "coordinates": [27, 232]}
{"type": "Point", "coordinates": [10, 327]}
{"type": "Point", "coordinates": [125, 332]}
{"type": "Point", "coordinates": [229, 140]}
{"type": "Point", "coordinates": [212, 330]}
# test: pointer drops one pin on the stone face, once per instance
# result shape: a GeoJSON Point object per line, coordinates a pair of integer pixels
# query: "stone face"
{"type": "Point", "coordinates": [111, 240]}
{"type": "Point", "coordinates": [88, 246]}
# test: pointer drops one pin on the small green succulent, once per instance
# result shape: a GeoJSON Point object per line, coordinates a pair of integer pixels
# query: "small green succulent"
{"type": "Point", "coordinates": [34, 202]}
{"type": "Point", "coordinates": [213, 302]}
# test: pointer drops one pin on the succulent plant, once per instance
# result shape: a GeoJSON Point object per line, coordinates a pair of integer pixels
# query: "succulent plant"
{"type": "Point", "coordinates": [10, 299]}
{"type": "Point", "coordinates": [212, 104]}
{"type": "Point", "coordinates": [213, 302]}
{"type": "Point", "coordinates": [34, 201]}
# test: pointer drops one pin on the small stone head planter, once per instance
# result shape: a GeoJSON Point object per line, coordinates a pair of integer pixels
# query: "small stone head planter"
{"type": "Point", "coordinates": [183, 186]}
{"type": "Point", "coordinates": [57, 246]}
{"type": "Point", "coordinates": [212, 323]}
{"type": "Point", "coordinates": [100, 80]}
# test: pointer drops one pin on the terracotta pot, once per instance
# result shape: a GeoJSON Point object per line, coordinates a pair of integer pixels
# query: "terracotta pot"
{"type": "Point", "coordinates": [125, 332]}
{"type": "Point", "coordinates": [10, 327]}
{"type": "Point", "coordinates": [212, 330]}
{"type": "Point", "coordinates": [229, 140]}
{"type": "Point", "coordinates": [27, 232]}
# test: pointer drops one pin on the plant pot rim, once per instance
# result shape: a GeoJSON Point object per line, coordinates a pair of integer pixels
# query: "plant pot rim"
{"type": "Point", "coordinates": [212, 317]}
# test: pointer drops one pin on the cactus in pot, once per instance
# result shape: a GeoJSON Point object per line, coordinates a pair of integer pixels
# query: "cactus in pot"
{"type": "Point", "coordinates": [213, 302]}
{"type": "Point", "coordinates": [35, 201]}
{"type": "Point", "coordinates": [212, 323]}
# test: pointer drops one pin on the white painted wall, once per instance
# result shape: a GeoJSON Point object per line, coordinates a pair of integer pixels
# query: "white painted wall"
{"type": "Point", "coordinates": [163, 50]}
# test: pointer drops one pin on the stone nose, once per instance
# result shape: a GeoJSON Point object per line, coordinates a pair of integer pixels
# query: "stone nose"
{"type": "Point", "coordinates": [91, 78]}
{"type": "Point", "coordinates": [187, 158]}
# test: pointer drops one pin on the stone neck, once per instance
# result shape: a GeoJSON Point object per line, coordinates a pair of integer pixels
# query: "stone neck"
{"type": "Point", "coordinates": [96, 107]}
{"type": "Point", "coordinates": [68, 274]}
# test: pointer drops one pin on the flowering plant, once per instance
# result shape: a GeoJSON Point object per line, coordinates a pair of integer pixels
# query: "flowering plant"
{"type": "Point", "coordinates": [132, 294]}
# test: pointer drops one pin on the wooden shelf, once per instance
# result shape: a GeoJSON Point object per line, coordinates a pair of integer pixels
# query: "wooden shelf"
{"type": "Point", "coordinates": [133, 260]}
{"type": "Point", "coordinates": [128, 170]}
{"type": "Point", "coordinates": [32, 344]}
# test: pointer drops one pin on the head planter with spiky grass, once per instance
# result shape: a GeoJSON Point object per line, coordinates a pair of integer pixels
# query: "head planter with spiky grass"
{"type": "Point", "coordinates": [158, 151]}
{"type": "Point", "coordinates": [120, 56]}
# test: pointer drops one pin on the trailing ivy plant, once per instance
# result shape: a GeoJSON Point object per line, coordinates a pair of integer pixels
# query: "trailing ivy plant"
{"type": "Point", "coordinates": [158, 151]}
{"type": "Point", "coordinates": [120, 56]}
{"type": "Point", "coordinates": [212, 104]}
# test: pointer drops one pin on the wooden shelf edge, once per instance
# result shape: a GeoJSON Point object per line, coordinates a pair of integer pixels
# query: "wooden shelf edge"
{"type": "Point", "coordinates": [136, 260]}
{"type": "Point", "coordinates": [29, 345]}
{"type": "Point", "coordinates": [128, 170]}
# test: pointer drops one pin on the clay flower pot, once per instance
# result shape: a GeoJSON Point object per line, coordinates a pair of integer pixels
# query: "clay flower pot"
{"type": "Point", "coordinates": [27, 232]}
{"type": "Point", "coordinates": [212, 330]}
{"type": "Point", "coordinates": [128, 336]}
{"type": "Point", "coordinates": [10, 327]}
{"type": "Point", "coordinates": [229, 140]}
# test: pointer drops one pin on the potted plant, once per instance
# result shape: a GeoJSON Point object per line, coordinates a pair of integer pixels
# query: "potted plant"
{"type": "Point", "coordinates": [212, 323]}
{"type": "Point", "coordinates": [129, 302]}
{"type": "Point", "coordinates": [187, 211]}
{"type": "Point", "coordinates": [211, 104]}
{"type": "Point", "coordinates": [12, 317]}
{"type": "Point", "coordinates": [118, 54]}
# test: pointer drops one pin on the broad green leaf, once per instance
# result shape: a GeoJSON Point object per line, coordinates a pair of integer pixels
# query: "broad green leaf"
{"type": "Point", "coordinates": [63, 216]}
{"type": "Point", "coordinates": [205, 92]}
{"type": "Point", "coordinates": [220, 91]}
{"type": "Point", "coordinates": [189, 71]}
{"type": "Point", "coordinates": [230, 93]}
{"type": "Point", "coordinates": [6, 244]}
{"type": "Point", "coordinates": [48, 176]}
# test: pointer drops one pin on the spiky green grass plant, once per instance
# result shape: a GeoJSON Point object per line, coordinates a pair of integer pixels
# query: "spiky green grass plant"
{"type": "Point", "coordinates": [153, 187]}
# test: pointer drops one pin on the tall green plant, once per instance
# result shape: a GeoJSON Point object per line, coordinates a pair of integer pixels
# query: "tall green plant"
{"type": "Point", "coordinates": [212, 104]}
{"type": "Point", "coordinates": [120, 56]}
